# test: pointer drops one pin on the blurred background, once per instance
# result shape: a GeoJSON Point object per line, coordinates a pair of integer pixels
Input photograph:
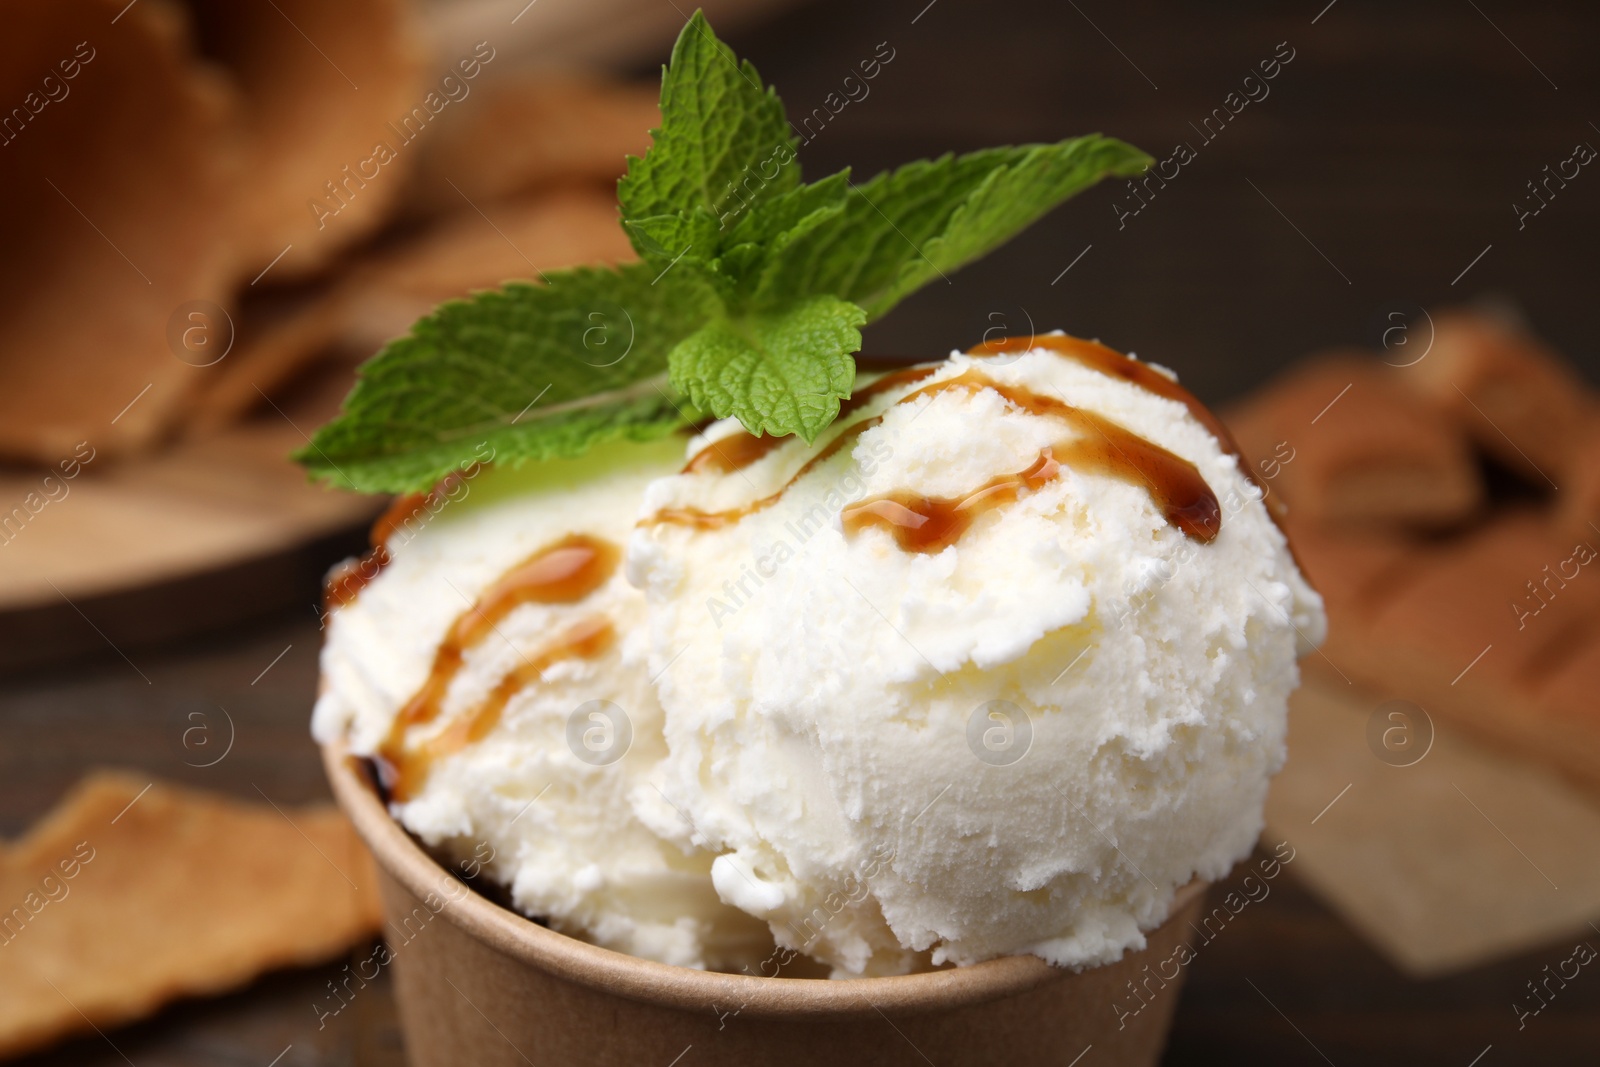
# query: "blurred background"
{"type": "Point", "coordinates": [1370, 244]}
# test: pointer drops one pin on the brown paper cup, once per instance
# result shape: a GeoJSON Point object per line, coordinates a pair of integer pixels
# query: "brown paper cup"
{"type": "Point", "coordinates": [480, 984]}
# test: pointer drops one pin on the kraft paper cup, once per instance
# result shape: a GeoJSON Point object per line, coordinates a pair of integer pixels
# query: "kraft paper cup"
{"type": "Point", "coordinates": [479, 984]}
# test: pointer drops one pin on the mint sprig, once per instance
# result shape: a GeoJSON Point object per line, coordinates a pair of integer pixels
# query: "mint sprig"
{"type": "Point", "coordinates": [914, 225]}
{"type": "Point", "coordinates": [778, 373]}
{"type": "Point", "coordinates": [718, 125]}
{"type": "Point", "coordinates": [748, 299]}
{"type": "Point", "coordinates": [528, 372]}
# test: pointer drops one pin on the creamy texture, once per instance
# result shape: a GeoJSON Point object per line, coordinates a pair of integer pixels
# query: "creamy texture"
{"type": "Point", "coordinates": [830, 697]}
{"type": "Point", "coordinates": [536, 803]}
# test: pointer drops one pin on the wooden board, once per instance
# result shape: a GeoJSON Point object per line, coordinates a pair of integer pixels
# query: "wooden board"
{"type": "Point", "coordinates": [202, 534]}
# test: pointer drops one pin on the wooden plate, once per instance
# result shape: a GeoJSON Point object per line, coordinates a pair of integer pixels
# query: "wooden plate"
{"type": "Point", "coordinates": [203, 534]}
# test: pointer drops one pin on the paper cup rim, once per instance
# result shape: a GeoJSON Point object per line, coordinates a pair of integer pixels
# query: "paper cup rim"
{"type": "Point", "coordinates": [662, 984]}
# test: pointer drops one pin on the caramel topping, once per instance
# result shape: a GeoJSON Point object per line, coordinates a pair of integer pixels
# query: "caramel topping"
{"type": "Point", "coordinates": [734, 452]}
{"type": "Point", "coordinates": [929, 524]}
{"type": "Point", "coordinates": [403, 510]}
{"type": "Point", "coordinates": [1174, 484]}
{"type": "Point", "coordinates": [739, 450]}
{"type": "Point", "coordinates": [561, 573]}
{"type": "Point", "coordinates": [1098, 357]}
{"type": "Point", "coordinates": [1109, 361]}
{"type": "Point", "coordinates": [712, 520]}
{"type": "Point", "coordinates": [893, 380]}
{"type": "Point", "coordinates": [347, 580]}
{"type": "Point", "coordinates": [404, 770]}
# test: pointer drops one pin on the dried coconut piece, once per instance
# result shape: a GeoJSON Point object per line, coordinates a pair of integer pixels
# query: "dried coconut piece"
{"type": "Point", "coordinates": [277, 353]}
{"type": "Point", "coordinates": [1578, 502]}
{"type": "Point", "coordinates": [320, 84]}
{"type": "Point", "coordinates": [566, 130]}
{"type": "Point", "coordinates": [110, 199]}
{"type": "Point", "coordinates": [1518, 399]}
{"type": "Point", "coordinates": [133, 893]}
{"type": "Point", "coordinates": [1568, 712]}
{"type": "Point", "coordinates": [1357, 571]}
{"type": "Point", "coordinates": [1344, 441]}
{"type": "Point", "coordinates": [472, 251]}
{"type": "Point", "coordinates": [1476, 630]}
{"type": "Point", "coordinates": [389, 290]}
{"type": "Point", "coordinates": [1517, 584]}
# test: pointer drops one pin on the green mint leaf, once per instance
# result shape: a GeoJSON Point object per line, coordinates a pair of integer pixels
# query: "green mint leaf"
{"type": "Point", "coordinates": [524, 373]}
{"type": "Point", "coordinates": [668, 240]}
{"type": "Point", "coordinates": [779, 373]}
{"type": "Point", "coordinates": [749, 301]}
{"type": "Point", "coordinates": [723, 147]}
{"type": "Point", "coordinates": [788, 214]}
{"type": "Point", "coordinates": [917, 224]}
{"type": "Point", "coordinates": [761, 235]}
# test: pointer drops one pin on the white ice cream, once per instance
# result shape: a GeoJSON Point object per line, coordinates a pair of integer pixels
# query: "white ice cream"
{"type": "Point", "coordinates": [520, 807]}
{"type": "Point", "coordinates": [830, 698]}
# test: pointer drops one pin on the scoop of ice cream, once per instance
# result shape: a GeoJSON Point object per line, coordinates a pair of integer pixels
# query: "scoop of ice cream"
{"type": "Point", "coordinates": [495, 668]}
{"type": "Point", "coordinates": [993, 667]}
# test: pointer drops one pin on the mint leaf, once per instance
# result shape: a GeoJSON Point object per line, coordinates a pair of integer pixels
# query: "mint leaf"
{"type": "Point", "coordinates": [761, 235]}
{"type": "Point", "coordinates": [907, 227]}
{"type": "Point", "coordinates": [749, 301]}
{"type": "Point", "coordinates": [529, 372]}
{"type": "Point", "coordinates": [667, 240]}
{"type": "Point", "coordinates": [785, 216]}
{"type": "Point", "coordinates": [778, 373]}
{"type": "Point", "coordinates": [723, 147]}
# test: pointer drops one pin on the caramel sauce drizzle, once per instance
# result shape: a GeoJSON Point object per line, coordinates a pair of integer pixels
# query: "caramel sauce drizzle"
{"type": "Point", "coordinates": [740, 449]}
{"type": "Point", "coordinates": [561, 573]}
{"type": "Point", "coordinates": [1096, 356]}
{"type": "Point", "coordinates": [909, 376]}
{"type": "Point", "coordinates": [714, 520]}
{"type": "Point", "coordinates": [345, 582]}
{"type": "Point", "coordinates": [930, 524]}
{"type": "Point", "coordinates": [735, 452]}
{"type": "Point", "coordinates": [404, 509]}
{"type": "Point", "coordinates": [733, 446]}
{"type": "Point", "coordinates": [1109, 361]}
